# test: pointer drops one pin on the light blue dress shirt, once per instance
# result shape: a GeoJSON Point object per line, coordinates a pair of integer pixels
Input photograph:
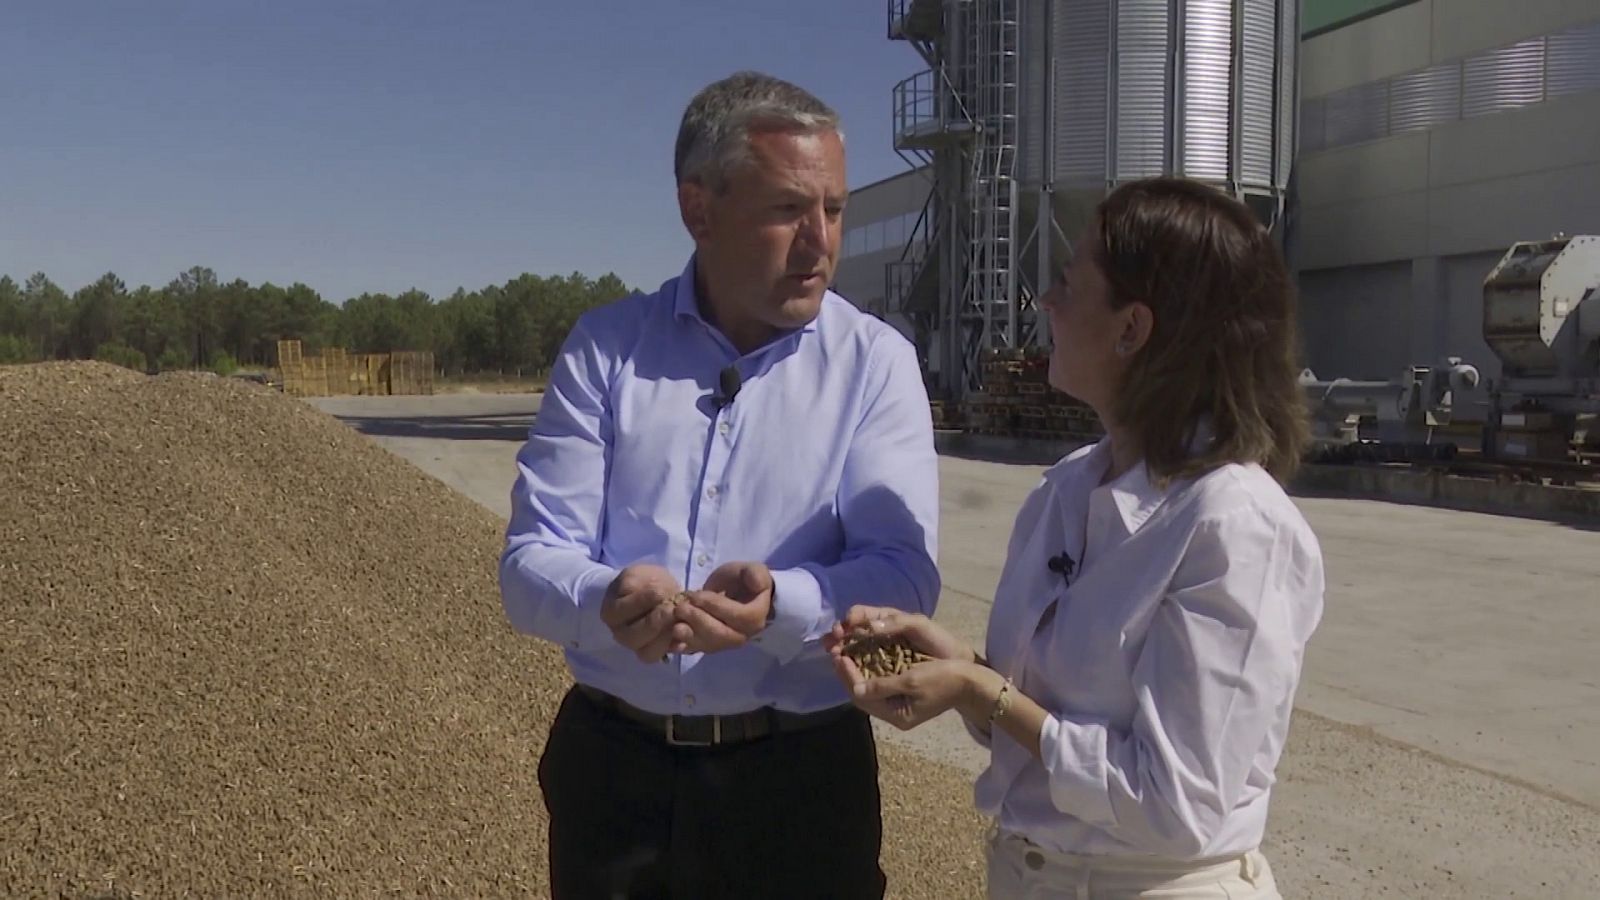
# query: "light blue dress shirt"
{"type": "Point", "coordinates": [822, 468]}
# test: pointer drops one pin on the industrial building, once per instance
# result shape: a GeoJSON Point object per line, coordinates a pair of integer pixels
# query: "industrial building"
{"type": "Point", "coordinates": [1398, 148]}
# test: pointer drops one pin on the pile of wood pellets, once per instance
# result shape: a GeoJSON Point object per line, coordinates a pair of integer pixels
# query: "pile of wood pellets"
{"type": "Point", "coordinates": [248, 653]}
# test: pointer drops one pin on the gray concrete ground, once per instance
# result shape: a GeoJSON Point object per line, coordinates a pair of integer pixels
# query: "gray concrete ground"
{"type": "Point", "coordinates": [1447, 741]}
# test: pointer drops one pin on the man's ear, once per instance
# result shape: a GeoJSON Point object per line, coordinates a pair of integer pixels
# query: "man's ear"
{"type": "Point", "coordinates": [694, 205]}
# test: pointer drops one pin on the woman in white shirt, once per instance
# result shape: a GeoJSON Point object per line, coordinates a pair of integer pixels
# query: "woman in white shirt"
{"type": "Point", "coordinates": [1159, 589]}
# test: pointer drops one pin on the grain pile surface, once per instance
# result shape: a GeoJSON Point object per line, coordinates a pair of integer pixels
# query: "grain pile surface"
{"type": "Point", "coordinates": [246, 652]}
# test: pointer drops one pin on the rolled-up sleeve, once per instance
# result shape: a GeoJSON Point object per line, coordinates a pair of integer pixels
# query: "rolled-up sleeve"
{"type": "Point", "coordinates": [1216, 674]}
{"type": "Point", "coordinates": [551, 584]}
{"type": "Point", "coordinates": [888, 501]}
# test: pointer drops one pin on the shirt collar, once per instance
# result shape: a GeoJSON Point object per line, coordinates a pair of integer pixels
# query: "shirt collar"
{"type": "Point", "coordinates": [686, 303]}
{"type": "Point", "coordinates": [1135, 496]}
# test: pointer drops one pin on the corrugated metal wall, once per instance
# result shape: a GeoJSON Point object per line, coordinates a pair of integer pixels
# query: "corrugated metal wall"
{"type": "Point", "coordinates": [1143, 48]}
{"type": "Point", "coordinates": [1530, 71]}
{"type": "Point", "coordinates": [1358, 114]}
{"type": "Point", "coordinates": [1207, 87]}
{"type": "Point", "coordinates": [1574, 61]}
{"type": "Point", "coordinates": [1285, 119]}
{"type": "Point", "coordinates": [1424, 99]}
{"type": "Point", "coordinates": [1503, 79]}
{"type": "Point", "coordinates": [1111, 62]}
{"type": "Point", "coordinates": [1258, 51]}
{"type": "Point", "coordinates": [1081, 39]}
{"type": "Point", "coordinates": [1035, 58]}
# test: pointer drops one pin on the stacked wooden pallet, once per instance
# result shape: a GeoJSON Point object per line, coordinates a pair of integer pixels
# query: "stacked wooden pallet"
{"type": "Point", "coordinates": [946, 416]}
{"type": "Point", "coordinates": [1534, 435]}
{"type": "Point", "coordinates": [1018, 401]}
{"type": "Point", "coordinates": [335, 372]}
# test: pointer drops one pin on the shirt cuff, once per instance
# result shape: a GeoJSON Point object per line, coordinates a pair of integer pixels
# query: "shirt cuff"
{"type": "Point", "coordinates": [589, 631]}
{"type": "Point", "coordinates": [797, 607]}
{"type": "Point", "coordinates": [1074, 755]}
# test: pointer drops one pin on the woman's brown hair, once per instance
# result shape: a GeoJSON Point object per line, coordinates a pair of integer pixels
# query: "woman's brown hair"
{"type": "Point", "coordinates": [1224, 345]}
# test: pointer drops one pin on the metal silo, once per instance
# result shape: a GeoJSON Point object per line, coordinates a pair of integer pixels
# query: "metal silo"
{"type": "Point", "coordinates": [1030, 111]}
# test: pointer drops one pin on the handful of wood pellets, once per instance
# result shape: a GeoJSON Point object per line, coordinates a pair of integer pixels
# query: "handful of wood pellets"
{"type": "Point", "coordinates": [674, 600]}
{"type": "Point", "coordinates": [878, 656]}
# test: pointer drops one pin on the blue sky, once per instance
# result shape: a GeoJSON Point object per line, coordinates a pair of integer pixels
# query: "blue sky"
{"type": "Point", "coordinates": [358, 145]}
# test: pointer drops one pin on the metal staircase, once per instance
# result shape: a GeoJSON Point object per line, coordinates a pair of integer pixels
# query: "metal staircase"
{"type": "Point", "coordinates": [918, 21]}
{"type": "Point", "coordinates": [989, 303]}
{"type": "Point", "coordinates": [911, 283]}
{"type": "Point", "coordinates": [959, 119]}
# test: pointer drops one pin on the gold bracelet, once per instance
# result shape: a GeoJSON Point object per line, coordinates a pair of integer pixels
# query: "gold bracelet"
{"type": "Point", "coordinates": [1002, 703]}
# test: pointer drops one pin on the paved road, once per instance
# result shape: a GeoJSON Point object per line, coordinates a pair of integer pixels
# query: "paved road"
{"type": "Point", "coordinates": [1448, 738]}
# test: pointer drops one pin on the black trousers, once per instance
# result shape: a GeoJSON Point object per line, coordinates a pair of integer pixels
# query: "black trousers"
{"type": "Point", "coordinates": [790, 815]}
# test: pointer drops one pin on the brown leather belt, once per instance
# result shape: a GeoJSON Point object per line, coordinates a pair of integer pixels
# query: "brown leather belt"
{"type": "Point", "coordinates": [711, 731]}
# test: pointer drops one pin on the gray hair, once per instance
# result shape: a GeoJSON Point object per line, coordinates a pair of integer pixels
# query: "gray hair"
{"type": "Point", "coordinates": [714, 136]}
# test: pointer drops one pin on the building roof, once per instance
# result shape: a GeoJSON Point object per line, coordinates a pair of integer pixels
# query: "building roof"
{"type": "Point", "coordinates": [882, 181]}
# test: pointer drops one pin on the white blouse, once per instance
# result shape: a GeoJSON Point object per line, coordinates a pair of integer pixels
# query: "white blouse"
{"type": "Point", "coordinates": [1166, 643]}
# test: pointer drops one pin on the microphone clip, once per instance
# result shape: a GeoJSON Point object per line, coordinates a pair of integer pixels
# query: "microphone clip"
{"type": "Point", "coordinates": [1062, 565]}
{"type": "Point", "coordinates": [728, 383]}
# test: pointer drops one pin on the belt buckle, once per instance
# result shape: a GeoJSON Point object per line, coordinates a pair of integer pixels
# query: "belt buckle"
{"type": "Point", "coordinates": [716, 734]}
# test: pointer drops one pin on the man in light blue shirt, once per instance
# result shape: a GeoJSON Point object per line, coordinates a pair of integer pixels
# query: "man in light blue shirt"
{"type": "Point", "coordinates": [719, 470]}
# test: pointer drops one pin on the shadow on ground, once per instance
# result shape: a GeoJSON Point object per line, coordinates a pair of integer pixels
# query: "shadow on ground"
{"type": "Point", "coordinates": [1574, 508]}
{"type": "Point", "coordinates": [512, 428]}
{"type": "Point", "coordinates": [1533, 509]}
{"type": "Point", "coordinates": [1007, 450]}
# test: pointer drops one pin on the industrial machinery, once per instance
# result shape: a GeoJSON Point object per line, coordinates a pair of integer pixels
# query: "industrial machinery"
{"type": "Point", "coordinates": [1406, 409]}
{"type": "Point", "coordinates": [1030, 111]}
{"type": "Point", "coordinates": [1541, 318]}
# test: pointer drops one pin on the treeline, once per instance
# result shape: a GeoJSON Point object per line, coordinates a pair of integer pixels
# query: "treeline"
{"type": "Point", "coordinates": [197, 321]}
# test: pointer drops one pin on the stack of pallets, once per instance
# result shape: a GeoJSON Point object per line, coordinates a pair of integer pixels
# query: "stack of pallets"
{"type": "Point", "coordinates": [1018, 401]}
{"type": "Point", "coordinates": [946, 416]}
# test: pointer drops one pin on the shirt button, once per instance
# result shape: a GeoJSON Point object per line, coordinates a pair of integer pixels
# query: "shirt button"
{"type": "Point", "coordinates": [723, 428]}
{"type": "Point", "coordinates": [688, 701]}
{"type": "Point", "coordinates": [711, 491]}
{"type": "Point", "coordinates": [702, 559]}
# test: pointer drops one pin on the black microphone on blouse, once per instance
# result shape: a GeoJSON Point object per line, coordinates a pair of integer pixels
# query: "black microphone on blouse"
{"type": "Point", "coordinates": [1062, 565]}
{"type": "Point", "coordinates": [728, 384]}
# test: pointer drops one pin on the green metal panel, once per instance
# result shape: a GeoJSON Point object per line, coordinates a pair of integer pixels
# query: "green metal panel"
{"type": "Point", "coordinates": [1318, 16]}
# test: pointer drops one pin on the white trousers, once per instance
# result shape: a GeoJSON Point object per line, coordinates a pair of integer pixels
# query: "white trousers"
{"type": "Point", "coordinates": [1021, 870]}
